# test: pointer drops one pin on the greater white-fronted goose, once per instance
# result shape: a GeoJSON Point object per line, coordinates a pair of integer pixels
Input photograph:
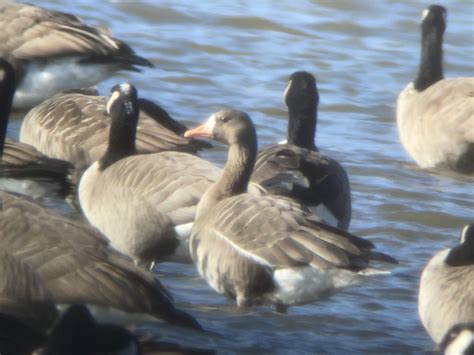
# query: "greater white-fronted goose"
{"type": "Point", "coordinates": [75, 127]}
{"type": "Point", "coordinates": [54, 51]}
{"type": "Point", "coordinates": [435, 116]}
{"type": "Point", "coordinates": [27, 308]}
{"type": "Point", "coordinates": [266, 249]}
{"type": "Point", "coordinates": [78, 266]}
{"type": "Point", "coordinates": [296, 168]}
{"type": "Point", "coordinates": [22, 168]}
{"type": "Point", "coordinates": [143, 203]}
{"type": "Point", "coordinates": [446, 295]}
{"type": "Point", "coordinates": [459, 340]}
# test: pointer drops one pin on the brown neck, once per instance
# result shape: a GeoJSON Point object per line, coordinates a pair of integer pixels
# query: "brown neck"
{"type": "Point", "coordinates": [235, 177]}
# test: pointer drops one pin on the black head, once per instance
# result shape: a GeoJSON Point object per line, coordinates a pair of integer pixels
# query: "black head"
{"type": "Point", "coordinates": [301, 90]}
{"type": "Point", "coordinates": [434, 19]}
{"type": "Point", "coordinates": [123, 107]}
{"type": "Point", "coordinates": [227, 126]}
{"type": "Point", "coordinates": [302, 98]}
{"type": "Point", "coordinates": [463, 254]}
{"type": "Point", "coordinates": [122, 100]}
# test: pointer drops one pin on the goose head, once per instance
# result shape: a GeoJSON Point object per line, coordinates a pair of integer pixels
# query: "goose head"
{"type": "Point", "coordinates": [122, 106]}
{"type": "Point", "coordinates": [463, 254]}
{"type": "Point", "coordinates": [227, 126]}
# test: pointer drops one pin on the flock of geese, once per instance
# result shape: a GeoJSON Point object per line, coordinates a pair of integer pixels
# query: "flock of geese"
{"type": "Point", "coordinates": [270, 228]}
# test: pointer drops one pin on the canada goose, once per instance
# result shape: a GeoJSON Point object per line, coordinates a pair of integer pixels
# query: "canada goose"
{"type": "Point", "coordinates": [22, 168]}
{"type": "Point", "coordinates": [266, 249]}
{"type": "Point", "coordinates": [316, 180]}
{"type": "Point", "coordinates": [77, 264]}
{"type": "Point", "coordinates": [435, 116]}
{"type": "Point", "coordinates": [54, 51]}
{"type": "Point", "coordinates": [459, 340]}
{"type": "Point", "coordinates": [75, 127]}
{"type": "Point", "coordinates": [446, 295]}
{"type": "Point", "coordinates": [143, 203]}
{"type": "Point", "coordinates": [27, 308]}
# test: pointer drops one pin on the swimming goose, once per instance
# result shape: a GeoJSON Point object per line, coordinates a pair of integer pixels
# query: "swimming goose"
{"type": "Point", "coordinates": [54, 51]}
{"type": "Point", "coordinates": [22, 168]}
{"type": "Point", "coordinates": [316, 180]}
{"type": "Point", "coordinates": [435, 116]}
{"type": "Point", "coordinates": [27, 308]}
{"type": "Point", "coordinates": [145, 204]}
{"type": "Point", "coordinates": [77, 265]}
{"type": "Point", "coordinates": [75, 127]}
{"type": "Point", "coordinates": [446, 296]}
{"type": "Point", "coordinates": [266, 249]}
{"type": "Point", "coordinates": [459, 340]}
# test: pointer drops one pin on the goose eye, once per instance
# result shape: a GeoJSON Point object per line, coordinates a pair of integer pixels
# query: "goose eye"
{"type": "Point", "coordinates": [224, 118]}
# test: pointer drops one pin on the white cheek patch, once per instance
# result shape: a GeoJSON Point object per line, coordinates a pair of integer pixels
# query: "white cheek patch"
{"type": "Point", "coordinates": [111, 101]}
{"type": "Point", "coordinates": [424, 13]}
{"type": "Point", "coordinates": [286, 90]}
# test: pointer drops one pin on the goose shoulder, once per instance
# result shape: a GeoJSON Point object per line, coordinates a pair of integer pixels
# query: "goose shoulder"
{"type": "Point", "coordinates": [269, 250]}
{"type": "Point", "coordinates": [72, 258]}
{"type": "Point", "coordinates": [165, 179]}
{"type": "Point", "coordinates": [446, 104]}
{"type": "Point", "coordinates": [281, 233]}
{"type": "Point", "coordinates": [23, 294]}
{"type": "Point", "coordinates": [308, 176]}
{"type": "Point", "coordinates": [75, 127]}
{"type": "Point", "coordinates": [32, 32]}
{"type": "Point", "coordinates": [27, 308]}
{"type": "Point", "coordinates": [446, 295]}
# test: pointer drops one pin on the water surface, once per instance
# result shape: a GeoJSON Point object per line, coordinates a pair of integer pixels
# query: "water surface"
{"type": "Point", "coordinates": [240, 53]}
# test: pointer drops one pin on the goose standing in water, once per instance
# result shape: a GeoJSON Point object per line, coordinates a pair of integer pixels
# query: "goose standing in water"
{"type": "Point", "coordinates": [266, 249]}
{"type": "Point", "coordinates": [145, 204]}
{"type": "Point", "coordinates": [446, 296]}
{"type": "Point", "coordinates": [75, 127]}
{"type": "Point", "coordinates": [22, 168]}
{"type": "Point", "coordinates": [316, 180]}
{"type": "Point", "coordinates": [78, 266]}
{"type": "Point", "coordinates": [54, 51]}
{"type": "Point", "coordinates": [435, 116]}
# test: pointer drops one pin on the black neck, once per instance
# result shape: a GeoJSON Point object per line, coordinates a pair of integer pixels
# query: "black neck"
{"type": "Point", "coordinates": [7, 90]}
{"type": "Point", "coordinates": [122, 135]}
{"type": "Point", "coordinates": [431, 64]}
{"type": "Point", "coordinates": [302, 126]}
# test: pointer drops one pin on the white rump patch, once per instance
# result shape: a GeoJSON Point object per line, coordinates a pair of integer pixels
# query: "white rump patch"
{"type": "Point", "coordinates": [306, 284]}
{"type": "Point", "coordinates": [284, 141]}
{"type": "Point", "coordinates": [44, 79]}
{"type": "Point", "coordinates": [27, 187]}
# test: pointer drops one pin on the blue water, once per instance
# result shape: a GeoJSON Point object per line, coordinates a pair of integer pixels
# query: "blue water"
{"type": "Point", "coordinates": [363, 53]}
